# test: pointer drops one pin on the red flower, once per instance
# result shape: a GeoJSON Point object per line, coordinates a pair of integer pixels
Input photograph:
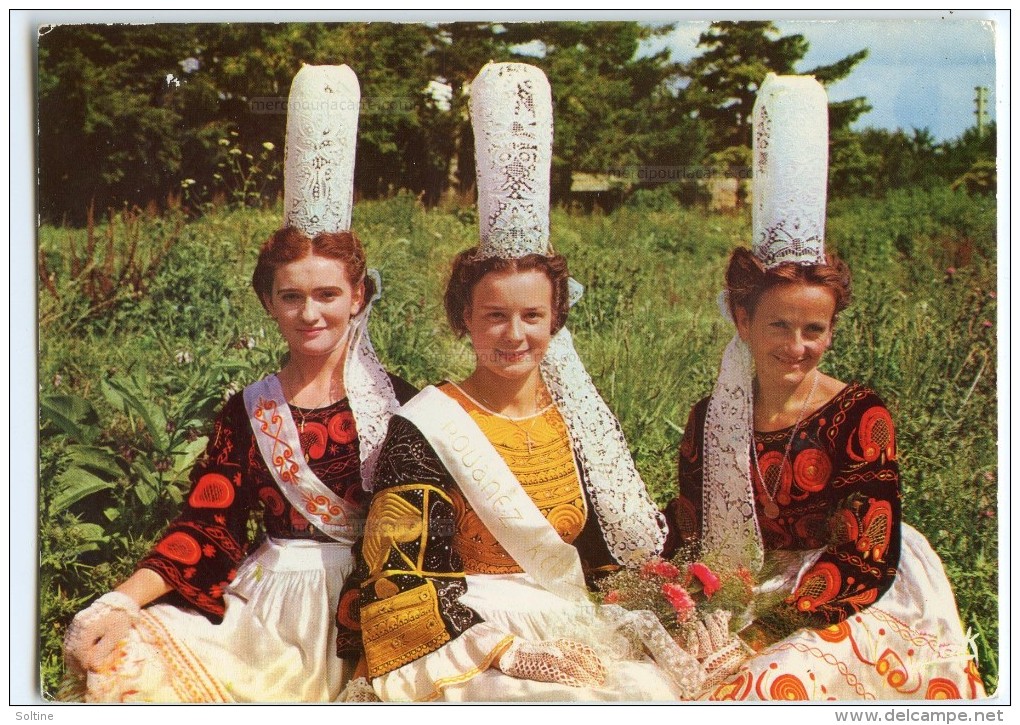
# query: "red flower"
{"type": "Point", "coordinates": [679, 599]}
{"type": "Point", "coordinates": [611, 597]}
{"type": "Point", "coordinates": [658, 567]}
{"type": "Point", "coordinates": [667, 570]}
{"type": "Point", "coordinates": [709, 581]}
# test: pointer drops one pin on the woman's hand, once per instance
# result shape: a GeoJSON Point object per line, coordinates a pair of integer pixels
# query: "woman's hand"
{"type": "Point", "coordinates": [562, 661]}
{"type": "Point", "coordinates": [96, 631]}
{"type": "Point", "coordinates": [711, 642]}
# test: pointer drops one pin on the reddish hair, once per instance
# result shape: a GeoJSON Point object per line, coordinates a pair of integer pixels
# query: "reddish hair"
{"type": "Point", "coordinates": [468, 271]}
{"type": "Point", "coordinates": [747, 279]}
{"type": "Point", "coordinates": [288, 245]}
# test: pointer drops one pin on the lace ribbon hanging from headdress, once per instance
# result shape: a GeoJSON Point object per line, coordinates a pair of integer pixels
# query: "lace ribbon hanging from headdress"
{"type": "Point", "coordinates": [631, 523]}
{"type": "Point", "coordinates": [369, 389]}
{"type": "Point", "coordinates": [731, 535]}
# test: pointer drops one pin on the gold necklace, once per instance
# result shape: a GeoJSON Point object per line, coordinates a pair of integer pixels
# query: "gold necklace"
{"type": "Point", "coordinates": [526, 431]}
{"type": "Point", "coordinates": [771, 506]}
{"type": "Point", "coordinates": [334, 394]}
{"type": "Point", "coordinates": [301, 425]}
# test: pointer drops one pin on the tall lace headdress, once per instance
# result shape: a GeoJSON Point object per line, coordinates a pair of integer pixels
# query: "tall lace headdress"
{"type": "Point", "coordinates": [791, 162]}
{"type": "Point", "coordinates": [511, 114]}
{"type": "Point", "coordinates": [322, 131]}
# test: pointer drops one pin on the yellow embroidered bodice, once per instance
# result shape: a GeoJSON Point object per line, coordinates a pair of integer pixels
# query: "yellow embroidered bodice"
{"type": "Point", "coordinates": [547, 473]}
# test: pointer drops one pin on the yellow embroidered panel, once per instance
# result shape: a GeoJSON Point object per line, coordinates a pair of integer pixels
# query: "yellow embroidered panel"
{"type": "Point", "coordinates": [402, 628]}
{"type": "Point", "coordinates": [539, 452]}
{"type": "Point", "coordinates": [391, 520]}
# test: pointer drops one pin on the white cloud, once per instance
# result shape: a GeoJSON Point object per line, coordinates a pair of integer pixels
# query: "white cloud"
{"type": "Point", "coordinates": [682, 40]}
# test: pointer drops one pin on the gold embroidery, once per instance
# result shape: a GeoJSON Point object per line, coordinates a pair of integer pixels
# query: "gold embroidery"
{"type": "Point", "coordinates": [411, 572]}
{"type": "Point", "coordinates": [547, 473]}
{"type": "Point", "coordinates": [391, 520]}
{"type": "Point", "coordinates": [402, 628]}
{"type": "Point", "coordinates": [567, 519]}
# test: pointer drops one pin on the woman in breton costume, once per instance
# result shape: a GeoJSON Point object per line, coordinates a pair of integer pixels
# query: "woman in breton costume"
{"type": "Point", "coordinates": [207, 616]}
{"type": "Point", "coordinates": [787, 467]}
{"type": "Point", "coordinates": [497, 496]}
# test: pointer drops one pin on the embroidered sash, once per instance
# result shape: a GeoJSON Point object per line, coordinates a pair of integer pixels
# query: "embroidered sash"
{"type": "Point", "coordinates": [280, 445]}
{"type": "Point", "coordinates": [496, 495]}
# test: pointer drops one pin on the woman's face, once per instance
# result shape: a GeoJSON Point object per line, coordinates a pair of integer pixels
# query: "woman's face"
{"type": "Point", "coordinates": [788, 333]}
{"type": "Point", "coordinates": [510, 321]}
{"type": "Point", "coordinates": [313, 302]}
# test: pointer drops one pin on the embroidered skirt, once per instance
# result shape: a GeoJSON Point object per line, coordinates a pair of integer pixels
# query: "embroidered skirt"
{"type": "Point", "coordinates": [276, 643]}
{"type": "Point", "coordinates": [907, 645]}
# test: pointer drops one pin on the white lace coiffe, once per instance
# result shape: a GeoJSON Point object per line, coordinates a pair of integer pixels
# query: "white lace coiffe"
{"type": "Point", "coordinates": [791, 168]}
{"type": "Point", "coordinates": [791, 156]}
{"type": "Point", "coordinates": [511, 114]}
{"type": "Point", "coordinates": [322, 129]}
{"type": "Point", "coordinates": [322, 132]}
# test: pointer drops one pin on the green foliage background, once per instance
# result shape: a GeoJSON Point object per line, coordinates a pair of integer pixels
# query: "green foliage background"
{"type": "Point", "coordinates": [174, 115]}
{"type": "Point", "coordinates": [138, 349]}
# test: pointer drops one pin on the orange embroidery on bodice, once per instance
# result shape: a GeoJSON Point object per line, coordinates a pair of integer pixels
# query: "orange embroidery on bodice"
{"type": "Point", "coordinates": [547, 473]}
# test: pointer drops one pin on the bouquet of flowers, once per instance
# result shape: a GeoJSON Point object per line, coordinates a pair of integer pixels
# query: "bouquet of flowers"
{"type": "Point", "coordinates": [704, 608]}
{"type": "Point", "coordinates": [682, 592]}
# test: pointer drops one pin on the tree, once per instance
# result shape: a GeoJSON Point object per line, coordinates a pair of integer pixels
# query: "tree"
{"type": "Point", "coordinates": [131, 114]}
{"type": "Point", "coordinates": [110, 127]}
{"type": "Point", "coordinates": [874, 161]}
{"type": "Point", "coordinates": [724, 80]}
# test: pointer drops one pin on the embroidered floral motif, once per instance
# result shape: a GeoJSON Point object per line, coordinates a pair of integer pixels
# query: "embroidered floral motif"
{"type": "Point", "coordinates": [818, 506]}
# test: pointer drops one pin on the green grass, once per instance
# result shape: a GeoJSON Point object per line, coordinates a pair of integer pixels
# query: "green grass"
{"type": "Point", "coordinates": [648, 329]}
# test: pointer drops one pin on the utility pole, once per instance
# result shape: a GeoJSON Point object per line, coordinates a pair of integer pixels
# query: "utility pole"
{"type": "Point", "coordinates": [981, 108]}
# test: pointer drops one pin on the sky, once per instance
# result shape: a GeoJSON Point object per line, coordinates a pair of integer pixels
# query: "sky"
{"type": "Point", "coordinates": [919, 73]}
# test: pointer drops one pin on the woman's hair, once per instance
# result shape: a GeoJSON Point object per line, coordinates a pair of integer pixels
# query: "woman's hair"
{"type": "Point", "coordinates": [747, 279]}
{"type": "Point", "coordinates": [468, 271]}
{"type": "Point", "coordinates": [289, 245]}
